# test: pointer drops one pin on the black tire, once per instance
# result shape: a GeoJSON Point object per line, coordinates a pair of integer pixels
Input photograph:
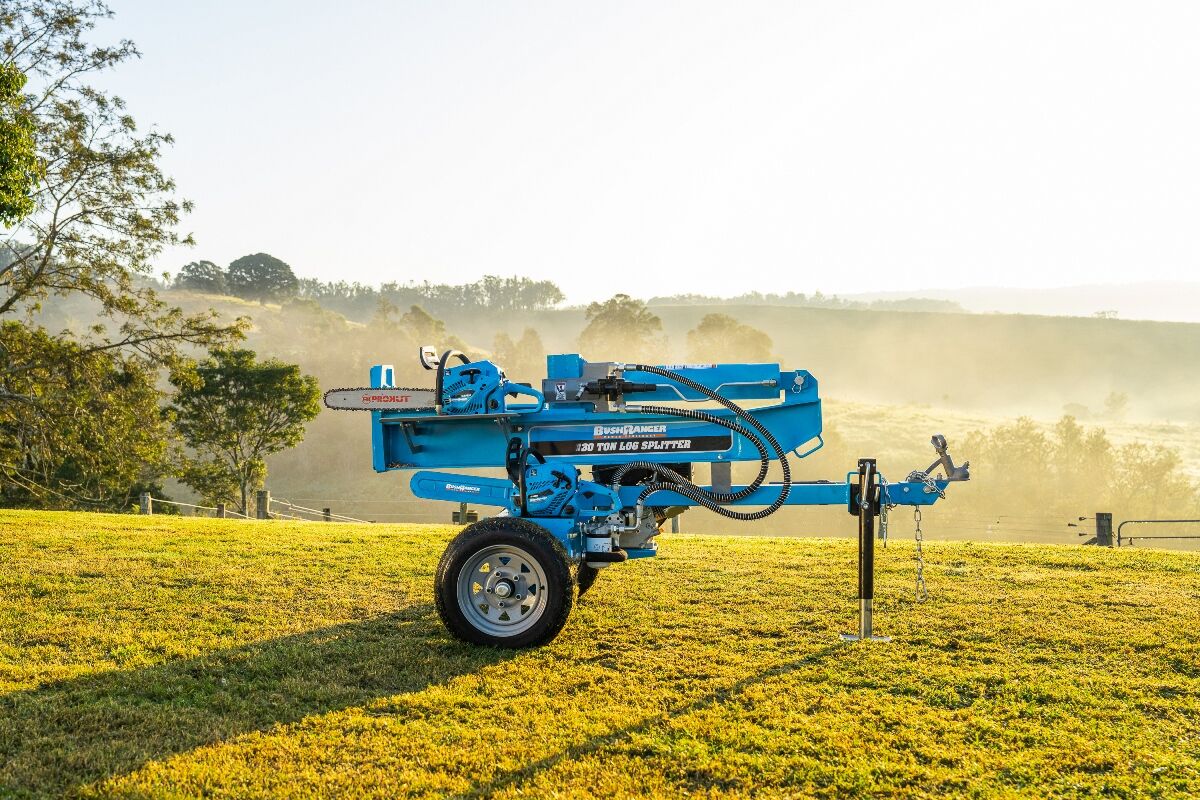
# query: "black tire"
{"type": "Point", "coordinates": [557, 593]}
{"type": "Point", "coordinates": [586, 577]}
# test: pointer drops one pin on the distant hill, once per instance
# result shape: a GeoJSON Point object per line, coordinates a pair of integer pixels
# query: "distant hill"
{"type": "Point", "coordinates": [998, 364]}
{"type": "Point", "coordinates": [1004, 364]}
{"type": "Point", "coordinates": [893, 378]}
{"type": "Point", "coordinates": [1177, 301]}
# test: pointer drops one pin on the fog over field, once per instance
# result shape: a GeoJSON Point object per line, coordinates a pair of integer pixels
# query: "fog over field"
{"type": "Point", "coordinates": [1172, 301]}
{"type": "Point", "coordinates": [975, 220]}
{"type": "Point", "coordinates": [997, 385]}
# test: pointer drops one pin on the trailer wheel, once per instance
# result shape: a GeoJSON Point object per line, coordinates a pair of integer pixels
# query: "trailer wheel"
{"type": "Point", "coordinates": [586, 577]}
{"type": "Point", "coordinates": [504, 582]}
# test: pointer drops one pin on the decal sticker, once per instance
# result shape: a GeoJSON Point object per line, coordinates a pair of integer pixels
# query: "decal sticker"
{"type": "Point", "coordinates": [630, 437]}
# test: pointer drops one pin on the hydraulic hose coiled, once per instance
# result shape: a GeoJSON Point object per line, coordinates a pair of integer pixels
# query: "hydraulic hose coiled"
{"type": "Point", "coordinates": [677, 483]}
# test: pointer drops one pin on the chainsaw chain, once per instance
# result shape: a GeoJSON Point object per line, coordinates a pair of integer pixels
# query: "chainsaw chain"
{"type": "Point", "coordinates": [369, 389]}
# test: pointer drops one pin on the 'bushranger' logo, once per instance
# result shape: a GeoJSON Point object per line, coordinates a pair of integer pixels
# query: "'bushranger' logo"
{"type": "Point", "coordinates": [604, 431]}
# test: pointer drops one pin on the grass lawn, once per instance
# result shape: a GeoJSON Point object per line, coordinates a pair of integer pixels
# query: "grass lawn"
{"type": "Point", "coordinates": [159, 657]}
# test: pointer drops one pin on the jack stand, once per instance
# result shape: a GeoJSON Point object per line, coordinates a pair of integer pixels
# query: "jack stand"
{"type": "Point", "coordinates": [867, 499]}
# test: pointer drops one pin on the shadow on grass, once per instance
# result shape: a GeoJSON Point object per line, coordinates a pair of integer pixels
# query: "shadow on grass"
{"type": "Point", "coordinates": [514, 778]}
{"type": "Point", "coordinates": [65, 735]}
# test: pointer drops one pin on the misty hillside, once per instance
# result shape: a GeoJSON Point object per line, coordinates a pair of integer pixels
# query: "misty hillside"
{"type": "Point", "coordinates": [994, 364]}
{"type": "Point", "coordinates": [891, 379]}
{"type": "Point", "coordinates": [997, 364]}
{"type": "Point", "coordinates": [1002, 364]}
{"type": "Point", "coordinates": [1177, 301]}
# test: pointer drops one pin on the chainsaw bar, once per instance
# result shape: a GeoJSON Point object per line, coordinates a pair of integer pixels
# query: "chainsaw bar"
{"type": "Point", "coordinates": [397, 399]}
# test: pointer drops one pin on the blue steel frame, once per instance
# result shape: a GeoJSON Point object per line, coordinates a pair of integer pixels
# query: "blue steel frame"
{"type": "Point", "coordinates": [406, 440]}
{"type": "Point", "coordinates": [577, 433]}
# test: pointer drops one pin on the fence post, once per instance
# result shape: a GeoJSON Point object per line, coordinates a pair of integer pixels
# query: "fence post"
{"type": "Point", "coordinates": [263, 504]}
{"type": "Point", "coordinates": [325, 512]}
{"type": "Point", "coordinates": [675, 524]}
{"type": "Point", "coordinates": [1104, 537]}
{"type": "Point", "coordinates": [146, 503]}
{"type": "Point", "coordinates": [220, 511]}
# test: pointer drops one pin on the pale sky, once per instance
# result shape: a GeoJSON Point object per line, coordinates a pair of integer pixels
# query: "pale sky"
{"type": "Point", "coordinates": [657, 148]}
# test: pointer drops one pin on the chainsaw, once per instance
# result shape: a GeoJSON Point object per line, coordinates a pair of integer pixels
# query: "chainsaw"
{"type": "Point", "coordinates": [466, 388]}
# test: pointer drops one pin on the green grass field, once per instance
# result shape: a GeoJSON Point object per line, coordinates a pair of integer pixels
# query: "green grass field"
{"type": "Point", "coordinates": [158, 657]}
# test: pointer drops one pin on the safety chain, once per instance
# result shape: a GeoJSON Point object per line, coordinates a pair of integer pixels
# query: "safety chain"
{"type": "Point", "coordinates": [883, 524]}
{"type": "Point", "coordinates": [885, 506]}
{"type": "Point", "coordinates": [922, 593]}
{"type": "Point", "coordinates": [931, 487]}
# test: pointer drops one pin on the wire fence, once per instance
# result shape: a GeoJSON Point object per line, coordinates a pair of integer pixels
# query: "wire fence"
{"type": "Point", "coordinates": [994, 527]}
{"type": "Point", "coordinates": [149, 501]}
{"type": "Point", "coordinates": [324, 514]}
{"type": "Point", "coordinates": [267, 507]}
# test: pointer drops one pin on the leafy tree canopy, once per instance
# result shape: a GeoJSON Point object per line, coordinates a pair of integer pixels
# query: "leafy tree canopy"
{"type": "Point", "coordinates": [524, 359]}
{"type": "Point", "coordinates": [621, 329]}
{"type": "Point", "coordinates": [417, 325]}
{"type": "Point", "coordinates": [103, 208]}
{"type": "Point", "coordinates": [20, 168]}
{"type": "Point", "coordinates": [489, 293]}
{"type": "Point", "coordinates": [80, 428]}
{"type": "Point", "coordinates": [88, 210]}
{"type": "Point", "coordinates": [1028, 468]}
{"type": "Point", "coordinates": [202, 276]}
{"type": "Point", "coordinates": [261, 277]}
{"type": "Point", "coordinates": [233, 411]}
{"type": "Point", "coordinates": [720, 338]}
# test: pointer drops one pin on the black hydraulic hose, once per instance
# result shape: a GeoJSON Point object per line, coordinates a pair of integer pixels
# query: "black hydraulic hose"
{"type": "Point", "coordinates": [781, 454]}
{"type": "Point", "coordinates": [691, 490]}
{"type": "Point", "coordinates": [713, 501]}
{"type": "Point", "coordinates": [687, 413]}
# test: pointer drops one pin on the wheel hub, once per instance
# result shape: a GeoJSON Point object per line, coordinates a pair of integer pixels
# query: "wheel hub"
{"type": "Point", "coordinates": [502, 590]}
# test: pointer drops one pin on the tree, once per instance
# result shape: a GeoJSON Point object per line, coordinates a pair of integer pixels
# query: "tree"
{"type": "Point", "coordinates": [721, 338]}
{"type": "Point", "coordinates": [621, 329]}
{"type": "Point", "coordinates": [1082, 461]}
{"type": "Point", "coordinates": [1149, 482]}
{"type": "Point", "coordinates": [202, 276]}
{"type": "Point", "coordinates": [87, 430]}
{"type": "Point", "coordinates": [1024, 468]}
{"type": "Point", "coordinates": [262, 277]}
{"type": "Point", "coordinates": [20, 168]}
{"type": "Point", "coordinates": [1116, 405]}
{"type": "Point", "coordinates": [419, 326]}
{"type": "Point", "coordinates": [514, 294]}
{"type": "Point", "coordinates": [522, 359]}
{"type": "Point", "coordinates": [233, 411]}
{"type": "Point", "coordinates": [103, 208]}
{"type": "Point", "coordinates": [100, 210]}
